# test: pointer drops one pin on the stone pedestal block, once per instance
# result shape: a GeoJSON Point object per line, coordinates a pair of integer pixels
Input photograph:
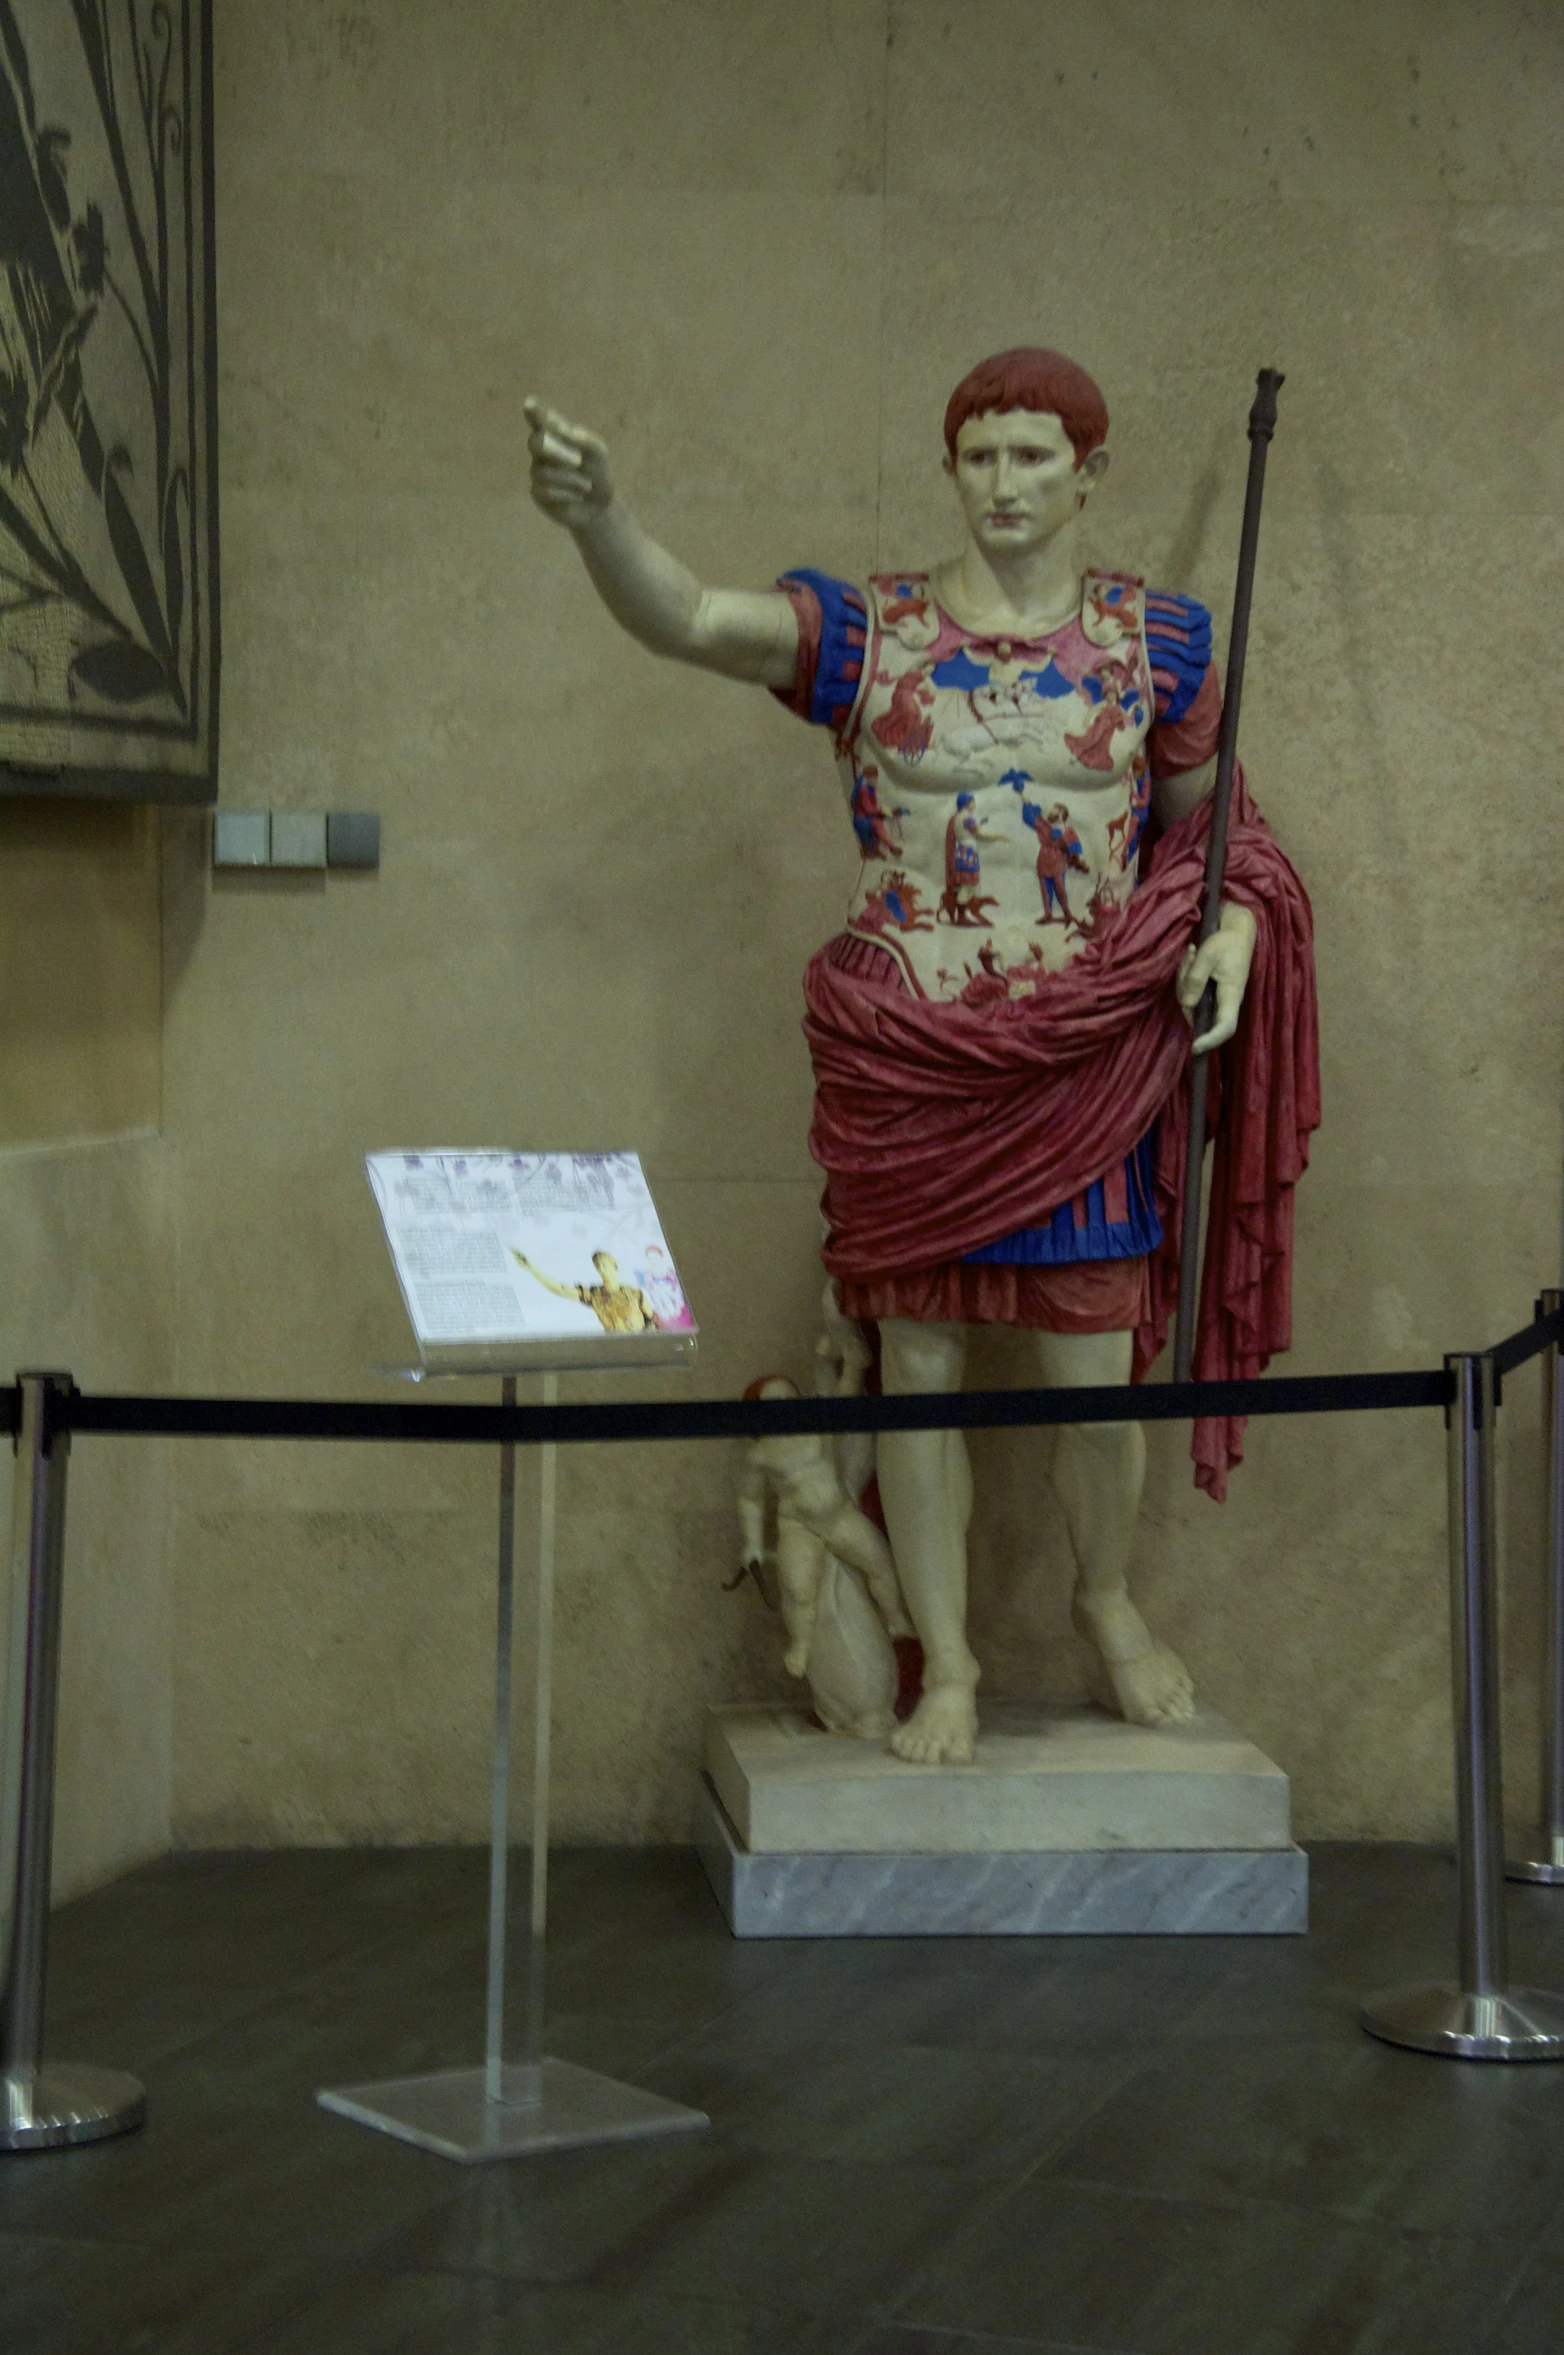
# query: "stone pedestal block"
{"type": "Point", "coordinates": [1067, 1822]}
{"type": "Point", "coordinates": [1043, 1778]}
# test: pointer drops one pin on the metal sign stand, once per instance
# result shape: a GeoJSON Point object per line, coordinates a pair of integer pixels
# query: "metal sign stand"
{"type": "Point", "coordinates": [1482, 2018]}
{"type": "Point", "coordinates": [42, 2107]}
{"type": "Point", "coordinates": [519, 2100]}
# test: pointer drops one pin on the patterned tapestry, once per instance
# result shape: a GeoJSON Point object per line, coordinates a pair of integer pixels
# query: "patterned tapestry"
{"type": "Point", "coordinates": [108, 447]}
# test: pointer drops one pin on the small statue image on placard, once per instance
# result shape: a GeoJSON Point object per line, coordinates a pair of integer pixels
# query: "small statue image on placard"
{"type": "Point", "coordinates": [618, 1307]}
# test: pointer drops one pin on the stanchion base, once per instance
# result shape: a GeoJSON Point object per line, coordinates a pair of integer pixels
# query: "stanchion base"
{"type": "Point", "coordinates": [449, 2112]}
{"type": "Point", "coordinates": [1521, 2025]}
{"type": "Point", "coordinates": [62, 2103]}
{"type": "Point", "coordinates": [1542, 1859]}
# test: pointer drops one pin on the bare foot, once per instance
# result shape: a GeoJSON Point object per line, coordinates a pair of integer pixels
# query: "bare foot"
{"type": "Point", "coordinates": [941, 1730]}
{"type": "Point", "coordinates": [1149, 1684]}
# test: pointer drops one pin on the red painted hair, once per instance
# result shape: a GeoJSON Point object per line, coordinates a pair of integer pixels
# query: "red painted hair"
{"type": "Point", "coordinates": [1044, 382]}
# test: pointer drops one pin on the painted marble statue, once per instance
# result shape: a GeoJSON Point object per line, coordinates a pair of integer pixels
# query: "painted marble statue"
{"type": "Point", "coordinates": [1000, 1032]}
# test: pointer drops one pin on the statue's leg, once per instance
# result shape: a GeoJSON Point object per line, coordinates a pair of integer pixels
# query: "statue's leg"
{"type": "Point", "coordinates": [800, 1569]}
{"type": "Point", "coordinates": [1099, 1471]}
{"type": "Point", "coordinates": [854, 1539]}
{"type": "Point", "coordinates": [958, 1471]}
{"type": "Point", "coordinates": [927, 1499]}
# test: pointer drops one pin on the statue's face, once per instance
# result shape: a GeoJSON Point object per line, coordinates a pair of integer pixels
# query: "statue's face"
{"type": "Point", "coordinates": [1017, 480]}
{"type": "Point", "coordinates": [607, 1266]}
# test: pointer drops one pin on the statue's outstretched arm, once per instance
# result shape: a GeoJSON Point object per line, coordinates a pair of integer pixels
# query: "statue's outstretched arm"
{"type": "Point", "coordinates": [564, 1291]}
{"type": "Point", "coordinates": [744, 634]}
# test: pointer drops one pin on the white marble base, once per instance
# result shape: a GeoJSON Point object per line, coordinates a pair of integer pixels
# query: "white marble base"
{"type": "Point", "coordinates": [1043, 1894]}
{"type": "Point", "coordinates": [1044, 1777]}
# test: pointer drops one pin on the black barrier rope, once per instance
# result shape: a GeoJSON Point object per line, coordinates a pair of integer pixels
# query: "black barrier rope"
{"type": "Point", "coordinates": [1530, 1342]}
{"type": "Point", "coordinates": [765, 1418]}
{"type": "Point", "coordinates": [736, 1418]}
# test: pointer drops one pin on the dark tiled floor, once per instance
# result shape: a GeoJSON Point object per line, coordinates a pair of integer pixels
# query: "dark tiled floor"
{"type": "Point", "coordinates": [1133, 2147]}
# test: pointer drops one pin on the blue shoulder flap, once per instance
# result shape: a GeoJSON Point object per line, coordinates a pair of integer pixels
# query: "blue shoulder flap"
{"type": "Point", "coordinates": [1178, 639]}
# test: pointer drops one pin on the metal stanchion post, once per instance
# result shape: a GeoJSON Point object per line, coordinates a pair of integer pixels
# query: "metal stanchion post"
{"type": "Point", "coordinates": [1542, 1858]}
{"type": "Point", "coordinates": [41, 2107]}
{"type": "Point", "coordinates": [1481, 2018]}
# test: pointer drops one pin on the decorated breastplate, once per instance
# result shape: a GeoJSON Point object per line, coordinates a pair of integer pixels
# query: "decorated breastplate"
{"type": "Point", "coordinates": [998, 787]}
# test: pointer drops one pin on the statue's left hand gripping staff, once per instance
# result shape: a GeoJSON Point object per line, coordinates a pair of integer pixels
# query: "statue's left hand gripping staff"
{"type": "Point", "coordinates": [1262, 424]}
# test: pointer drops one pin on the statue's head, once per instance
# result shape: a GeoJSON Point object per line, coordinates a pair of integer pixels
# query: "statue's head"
{"type": "Point", "coordinates": [606, 1265]}
{"type": "Point", "coordinates": [1024, 434]}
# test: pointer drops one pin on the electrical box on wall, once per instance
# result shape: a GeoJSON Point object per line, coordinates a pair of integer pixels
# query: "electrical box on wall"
{"type": "Point", "coordinates": [296, 838]}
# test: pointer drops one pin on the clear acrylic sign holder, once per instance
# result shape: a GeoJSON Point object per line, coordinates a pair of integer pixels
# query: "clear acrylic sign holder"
{"type": "Point", "coordinates": [520, 2101]}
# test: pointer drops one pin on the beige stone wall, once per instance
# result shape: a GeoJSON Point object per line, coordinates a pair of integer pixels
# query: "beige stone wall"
{"type": "Point", "coordinates": [88, 1263]}
{"type": "Point", "coordinates": [755, 245]}
{"type": "Point", "coordinates": [80, 964]}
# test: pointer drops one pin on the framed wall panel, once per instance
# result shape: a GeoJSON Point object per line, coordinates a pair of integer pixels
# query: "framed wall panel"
{"type": "Point", "coordinates": [108, 440]}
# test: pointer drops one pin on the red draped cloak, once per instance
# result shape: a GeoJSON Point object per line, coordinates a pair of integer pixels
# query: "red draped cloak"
{"type": "Point", "coordinates": [942, 1127]}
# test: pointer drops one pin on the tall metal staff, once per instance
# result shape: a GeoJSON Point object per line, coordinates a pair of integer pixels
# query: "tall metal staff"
{"type": "Point", "coordinates": [1262, 424]}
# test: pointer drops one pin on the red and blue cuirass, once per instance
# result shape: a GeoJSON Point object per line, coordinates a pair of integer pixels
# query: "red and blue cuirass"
{"type": "Point", "coordinates": [998, 790]}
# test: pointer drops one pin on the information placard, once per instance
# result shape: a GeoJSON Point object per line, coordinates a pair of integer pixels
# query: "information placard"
{"type": "Point", "coordinates": [556, 1256]}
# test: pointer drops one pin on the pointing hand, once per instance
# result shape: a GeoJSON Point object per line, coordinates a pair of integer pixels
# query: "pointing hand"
{"type": "Point", "coordinates": [570, 479]}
